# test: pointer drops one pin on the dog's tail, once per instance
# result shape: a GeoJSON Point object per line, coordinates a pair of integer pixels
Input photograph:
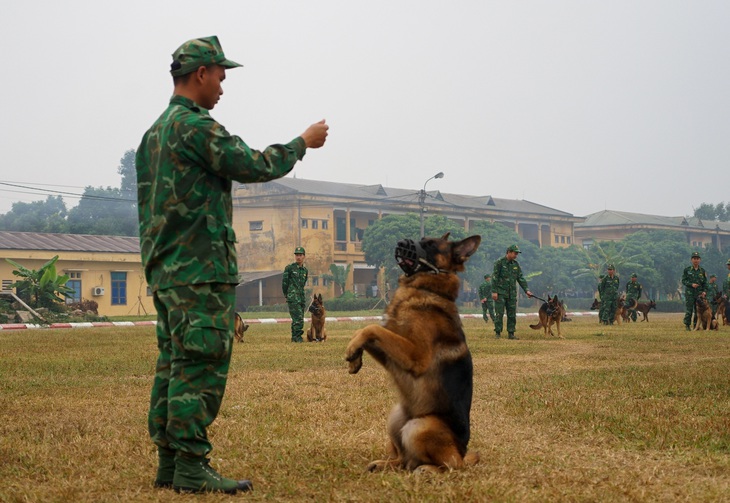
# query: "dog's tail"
{"type": "Point", "coordinates": [632, 304]}
{"type": "Point", "coordinates": [539, 325]}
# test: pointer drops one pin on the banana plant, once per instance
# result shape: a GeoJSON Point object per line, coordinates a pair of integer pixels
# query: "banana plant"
{"type": "Point", "coordinates": [42, 287]}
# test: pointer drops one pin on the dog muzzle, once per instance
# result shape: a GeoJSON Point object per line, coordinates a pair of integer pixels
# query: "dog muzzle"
{"type": "Point", "coordinates": [412, 258]}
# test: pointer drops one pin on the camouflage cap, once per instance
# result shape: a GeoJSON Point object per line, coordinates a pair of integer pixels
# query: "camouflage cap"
{"type": "Point", "coordinates": [513, 248]}
{"type": "Point", "coordinates": [299, 251]}
{"type": "Point", "coordinates": [199, 52]}
{"type": "Point", "coordinates": [713, 276]}
{"type": "Point", "coordinates": [489, 275]}
{"type": "Point", "coordinates": [634, 275]}
{"type": "Point", "coordinates": [611, 267]}
{"type": "Point", "coordinates": [696, 255]}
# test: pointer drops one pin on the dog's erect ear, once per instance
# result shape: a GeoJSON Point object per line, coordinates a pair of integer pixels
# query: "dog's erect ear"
{"type": "Point", "coordinates": [319, 298]}
{"type": "Point", "coordinates": [445, 237]}
{"type": "Point", "coordinates": [465, 248]}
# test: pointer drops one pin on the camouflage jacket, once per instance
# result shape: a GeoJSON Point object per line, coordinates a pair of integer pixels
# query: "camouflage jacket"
{"type": "Point", "coordinates": [485, 291]}
{"type": "Point", "coordinates": [633, 290]}
{"type": "Point", "coordinates": [712, 289]}
{"type": "Point", "coordinates": [293, 281]}
{"type": "Point", "coordinates": [185, 165]}
{"type": "Point", "coordinates": [506, 275]}
{"type": "Point", "coordinates": [692, 275]}
{"type": "Point", "coordinates": [609, 287]}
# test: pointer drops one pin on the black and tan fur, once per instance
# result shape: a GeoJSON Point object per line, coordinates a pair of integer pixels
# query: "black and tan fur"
{"type": "Point", "coordinates": [550, 312]}
{"type": "Point", "coordinates": [317, 332]}
{"type": "Point", "coordinates": [705, 320]}
{"type": "Point", "coordinates": [421, 343]}
{"type": "Point", "coordinates": [239, 328]}
{"type": "Point", "coordinates": [721, 313]}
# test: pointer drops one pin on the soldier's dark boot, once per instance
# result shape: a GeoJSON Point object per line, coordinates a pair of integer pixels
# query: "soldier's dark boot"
{"type": "Point", "coordinates": [512, 336]}
{"type": "Point", "coordinates": [686, 327]}
{"type": "Point", "coordinates": [195, 475]}
{"type": "Point", "coordinates": [498, 335]}
{"type": "Point", "coordinates": [165, 467]}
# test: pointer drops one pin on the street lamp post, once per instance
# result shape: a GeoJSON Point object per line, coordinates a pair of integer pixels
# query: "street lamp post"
{"type": "Point", "coordinates": [422, 198]}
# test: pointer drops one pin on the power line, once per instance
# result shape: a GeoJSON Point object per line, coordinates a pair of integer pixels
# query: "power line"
{"type": "Point", "coordinates": [70, 194]}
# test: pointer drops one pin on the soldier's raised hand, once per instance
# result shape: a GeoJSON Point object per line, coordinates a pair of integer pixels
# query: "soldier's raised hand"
{"type": "Point", "coordinates": [315, 135]}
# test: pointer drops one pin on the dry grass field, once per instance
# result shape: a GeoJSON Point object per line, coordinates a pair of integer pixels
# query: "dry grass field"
{"type": "Point", "coordinates": [637, 412]}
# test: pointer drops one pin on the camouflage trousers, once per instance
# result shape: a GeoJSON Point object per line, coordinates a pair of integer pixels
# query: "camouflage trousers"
{"type": "Point", "coordinates": [690, 311]}
{"type": "Point", "coordinates": [609, 306]}
{"type": "Point", "coordinates": [296, 311]}
{"type": "Point", "coordinates": [508, 304]}
{"type": "Point", "coordinates": [194, 332]}
{"type": "Point", "coordinates": [488, 307]}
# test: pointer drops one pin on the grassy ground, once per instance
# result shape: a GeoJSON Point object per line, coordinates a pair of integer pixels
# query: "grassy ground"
{"type": "Point", "coordinates": [637, 412]}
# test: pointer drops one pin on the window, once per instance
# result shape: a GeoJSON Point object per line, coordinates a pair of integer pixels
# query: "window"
{"type": "Point", "coordinates": [325, 224]}
{"type": "Point", "coordinates": [304, 223]}
{"type": "Point", "coordinates": [119, 288]}
{"type": "Point", "coordinates": [568, 239]}
{"type": "Point", "coordinates": [315, 224]}
{"type": "Point", "coordinates": [149, 291]}
{"type": "Point", "coordinates": [562, 239]}
{"type": "Point", "coordinates": [557, 239]}
{"type": "Point", "coordinates": [325, 282]}
{"type": "Point", "coordinates": [315, 281]}
{"type": "Point", "coordinates": [256, 225]}
{"type": "Point", "coordinates": [75, 285]}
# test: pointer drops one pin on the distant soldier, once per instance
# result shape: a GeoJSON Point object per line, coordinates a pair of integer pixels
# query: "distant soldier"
{"type": "Point", "coordinates": [507, 273]}
{"type": "Point", "coordinates": [292, 284]}
{"type": "Point", "coordinates": [694, 280]}
{"type": "Point", "coordinates": [633, 292]}
{"type": "Point", "coordinates": [726, 283]}
{"type": "Point", "coordinates": [608, 290]}
{"type": "Point", "coordinates": [485, 297]}
{"type": "Point", "coordinates": [712, 289]}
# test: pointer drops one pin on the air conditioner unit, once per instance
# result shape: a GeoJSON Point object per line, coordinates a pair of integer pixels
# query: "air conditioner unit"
{"type": "Point", "coordinates": [97, 291]}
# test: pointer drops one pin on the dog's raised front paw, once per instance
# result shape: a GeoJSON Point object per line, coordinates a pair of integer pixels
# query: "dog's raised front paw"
{"type": "Point", "coordinates": [354, 356]}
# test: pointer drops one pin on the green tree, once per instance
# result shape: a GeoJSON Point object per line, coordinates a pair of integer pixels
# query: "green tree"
{"type": "Point", "coordinates": [338, 275]}
{"type": "Point", "coordinates": [36, 216]}
{"type": "Point", "coordinates": [709, 211]}
{"type": "Point", "coordinates": [42, 287]}
{"type": "Point", "coordinates": [106, 211]}
{"type": "Point", "coordinates": [127, 168]}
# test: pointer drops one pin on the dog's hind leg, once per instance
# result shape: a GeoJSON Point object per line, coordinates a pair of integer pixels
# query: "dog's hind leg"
{"type": "Point", "coordinates": [429, 445]}
{"type": "Point", "coordinates": [396, 421]}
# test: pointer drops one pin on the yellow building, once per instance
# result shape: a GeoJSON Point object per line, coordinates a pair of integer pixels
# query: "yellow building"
{"type": "Point", "coordinates": [609, 225]}
{"type": "Point", "coordinates": [328, 219]}
{"type": "Point", "coordinates": [105, 269]}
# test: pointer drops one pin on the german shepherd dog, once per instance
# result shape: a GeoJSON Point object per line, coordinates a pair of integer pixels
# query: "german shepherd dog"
{"type": "Point", "coordinates": [421, 343]}
{"type": "Point", "coordinates": [721, 308]}
{"type": "Point", "coordinates": [240, 328]}
{"type": "Point", "coordinates": [550, 312]}
{"type": "Point", "coordinates": [317, 332]}
{"type": "Point", "coordinates": [705, 320]}
{"type": "Point", "coordinates": [644, 308]}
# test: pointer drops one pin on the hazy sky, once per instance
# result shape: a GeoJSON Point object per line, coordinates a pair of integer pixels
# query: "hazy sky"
{"type": "Point", "coordinates": [577, 105]}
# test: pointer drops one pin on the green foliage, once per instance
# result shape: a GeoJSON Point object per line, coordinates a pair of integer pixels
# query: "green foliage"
{"type": "Point", "coordinates": [719, 211]}
{"type": "Point", "coordinates": [42, 287]}
{"type": "Point", "coordinates": [107, 211]}
{"type": "Point", "coordinates": [338, 275]}
{"type": "Point", "coordinates": [36, 216]}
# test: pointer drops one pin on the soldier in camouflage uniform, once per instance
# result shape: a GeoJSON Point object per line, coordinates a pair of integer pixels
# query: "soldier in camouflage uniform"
{"type": "Point", "coordinates": [292, 284]}
{"type": "Point", "coordinates": [712, 289]}
{"type": "Point", "coordinates": [507, 273]}
{"type": "Point", "coordinates": [726, 283]}
{"type": "Point", "coordinates": [185, 165]}
{"type": "Point", "coordinates": [608, 290]}
{"type": "Point", "coordinates": [485, 297]}
{"type": "Point", "coordinates": [694, 280]}
{"type": "Point", "coordinates": [633, 292]}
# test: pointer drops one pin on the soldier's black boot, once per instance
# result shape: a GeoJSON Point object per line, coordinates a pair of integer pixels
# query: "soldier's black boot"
{"type": "Point", "coordinates": [512, 336]}
{"type": "Point", "coordinates": [165, 467]}
{"type": "Point", "coordinates": [498, 335]}
{"type": "Point", "coordinates": [195, 475]}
